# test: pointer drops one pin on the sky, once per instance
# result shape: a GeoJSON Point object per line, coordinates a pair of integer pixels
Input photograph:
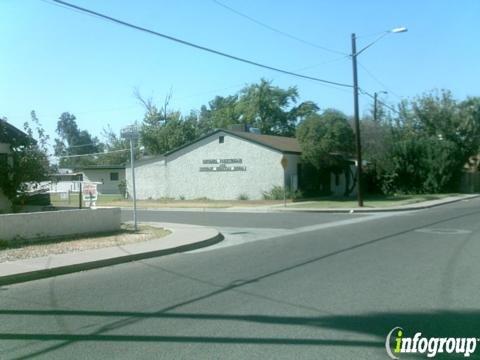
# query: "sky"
{"type": "Point", "coordinates": [54, 59]}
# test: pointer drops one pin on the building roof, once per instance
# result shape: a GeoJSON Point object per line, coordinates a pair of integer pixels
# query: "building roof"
{"type": "Point", "coordinates": [279, 143]}
{"type": "Point", "coordinates": [99, 167]}
{"type": "Point", "coordinates": [8, 132]}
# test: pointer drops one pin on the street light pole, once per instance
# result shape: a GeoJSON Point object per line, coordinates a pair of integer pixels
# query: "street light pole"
{"type": "Point", "coordinates": [356, 119]}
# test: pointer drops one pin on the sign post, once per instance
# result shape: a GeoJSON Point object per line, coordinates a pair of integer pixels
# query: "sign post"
{"type": "Point", "coordinates": [131, 133]}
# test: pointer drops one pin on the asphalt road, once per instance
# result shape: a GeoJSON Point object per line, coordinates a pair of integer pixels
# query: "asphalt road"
{"type": "Point", "coordinates": [305, 286]}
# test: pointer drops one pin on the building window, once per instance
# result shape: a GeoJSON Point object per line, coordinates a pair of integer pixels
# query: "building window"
{"type": "Point", "coordinates": [221, 139]}
{"type": "Point", "coordinates": [114, 176]}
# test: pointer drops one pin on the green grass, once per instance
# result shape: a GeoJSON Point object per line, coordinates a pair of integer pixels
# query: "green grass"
{"type": "Point", "coordinates": [370, 201]}
{"type": "Point", "coordinates": [102, 199]}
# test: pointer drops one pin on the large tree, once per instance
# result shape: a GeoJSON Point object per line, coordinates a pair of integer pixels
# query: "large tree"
{"type": "Point", "coordinates": [326, 140]}
{"type": "Point", "coordinates": [262, 105]}
{"type": "Point", "coordinates": [73, 141]}
{"type": "Point", "coordinates": [433, 137]}
{"type": "Point", "coordinates": [272, 109]}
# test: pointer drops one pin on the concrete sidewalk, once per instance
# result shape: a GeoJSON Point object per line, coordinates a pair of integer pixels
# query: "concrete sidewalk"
{"type": "Point", "coordinates": [183, 238]}
{"type": "Point", "coordinates": [291, 207]}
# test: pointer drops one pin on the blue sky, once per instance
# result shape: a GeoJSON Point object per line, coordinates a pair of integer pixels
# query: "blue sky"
{"type": "Point", "coordinates": [55, 60]}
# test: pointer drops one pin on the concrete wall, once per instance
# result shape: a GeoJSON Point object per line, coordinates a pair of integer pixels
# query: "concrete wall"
{"type": "Point", "coordinates": [58, 223]}
{"type": "Point", "coordinates": [103, 175]}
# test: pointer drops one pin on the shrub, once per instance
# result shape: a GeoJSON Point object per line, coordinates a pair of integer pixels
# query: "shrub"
{"type": "Point", "coordinates": [277, 193]}
{"type": "Point", "coordinates": [242, 197]}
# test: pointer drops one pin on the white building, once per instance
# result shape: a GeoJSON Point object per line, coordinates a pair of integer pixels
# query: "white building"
{"type": "Point", "coordinates": [109, 177]}
{"type": "Point", "coordinates": [221, 165]}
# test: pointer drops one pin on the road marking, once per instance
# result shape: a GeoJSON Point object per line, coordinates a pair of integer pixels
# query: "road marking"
{"type": "Point", "coordinates": [443, 231]}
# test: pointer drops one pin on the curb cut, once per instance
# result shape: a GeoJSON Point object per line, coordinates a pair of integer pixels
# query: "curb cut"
{"type": "Point", "coordinates": [68, 269]}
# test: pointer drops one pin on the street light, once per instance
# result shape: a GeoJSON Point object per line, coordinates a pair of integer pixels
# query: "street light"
{"type": "Point", "coordinates": [358, 144]}
{"type": "Point", "coordinates": [131, 133]}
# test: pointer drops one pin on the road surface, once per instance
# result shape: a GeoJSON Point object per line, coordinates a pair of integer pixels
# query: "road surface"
{"type": "Point", "coordinates": [281, 286]}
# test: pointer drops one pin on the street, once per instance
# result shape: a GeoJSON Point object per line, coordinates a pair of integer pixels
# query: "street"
{"type": "Point", "coordinates": [280, 286]}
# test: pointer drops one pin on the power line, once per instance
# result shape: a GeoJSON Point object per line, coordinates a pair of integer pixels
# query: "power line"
{"type": "Point", "coordinates": [379, 101]}
{"type": "Point", "coordinates": [101, 153]}
{"type": "Point", "coordinates": [378, 81]}
{"type": "Point", "coordinates": [200, 47]}
{"type": "Point", "coordinates": [258, 22]}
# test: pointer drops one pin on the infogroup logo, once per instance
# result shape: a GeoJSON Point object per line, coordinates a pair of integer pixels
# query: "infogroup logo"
{"type": "Point", "coordinates": [396, 344]}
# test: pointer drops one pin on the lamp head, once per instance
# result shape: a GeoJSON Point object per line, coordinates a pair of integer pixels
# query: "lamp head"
{"type": "Point", "coordinates": [399, 30]}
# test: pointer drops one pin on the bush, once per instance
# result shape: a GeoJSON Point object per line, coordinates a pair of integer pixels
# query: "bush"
{"type": "Point", "coordinates": [122, 187]}
{"type": "Point", "coordinates": [277, 193]}
{"type": "Point", "coordinates": [242, 197]}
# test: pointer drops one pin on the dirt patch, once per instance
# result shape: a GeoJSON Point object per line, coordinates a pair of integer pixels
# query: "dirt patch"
{"type": "Point", "coordinates": [26, 250]}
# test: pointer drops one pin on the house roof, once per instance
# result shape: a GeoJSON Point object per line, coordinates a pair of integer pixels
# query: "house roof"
{"type": "Point", "coordinates": [8, 132]}
{"type": "Point", "coordinates": [99, 167]}
{"type": "Point", "coordinates": [280, 143]}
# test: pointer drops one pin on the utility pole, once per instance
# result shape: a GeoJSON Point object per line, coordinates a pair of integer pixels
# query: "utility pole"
{"type": "Point", "coordinates": [357, 122]}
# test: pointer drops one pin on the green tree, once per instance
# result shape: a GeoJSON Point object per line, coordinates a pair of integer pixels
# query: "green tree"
{"type": "Point", "coordinates": [114, 146]}
{"type": "Point", "coordinates": [326, 140]}
{"type": "Point", "coordinates": [432, 138]}
{"type": "Point", "coordinates": [29, 160]}
{"type": "Point", "coordinates": [160, 136]}
{"type": "Point", "coordinates": [272, 109]}
{"type": "Point", "coordinates": [220, 113]}
{"type": "Point", "coordinates": [323, 137]}
{"type": "Point", "coordinates": [73, 141]}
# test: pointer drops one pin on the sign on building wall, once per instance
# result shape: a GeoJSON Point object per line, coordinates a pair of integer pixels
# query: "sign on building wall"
{"type": "Point", "coordinates": [220, 165]}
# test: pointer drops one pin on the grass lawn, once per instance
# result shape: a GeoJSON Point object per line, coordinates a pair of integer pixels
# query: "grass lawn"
{"type": "Point", "coordinates": [119, 201]}
{"type": "Point", "coordinates": [370, 201]}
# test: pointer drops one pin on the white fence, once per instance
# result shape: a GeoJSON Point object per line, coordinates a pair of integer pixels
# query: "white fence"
{"type": "Point", "coordinates": [41, 225]}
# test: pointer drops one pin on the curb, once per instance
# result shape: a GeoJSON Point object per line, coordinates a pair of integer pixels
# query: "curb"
{"type": "Point", "coordinates": [309, 210]}
{"type": "Point", "coordinates": [68, 269]}
{"type": "Point", "coordinates": [376, 210]}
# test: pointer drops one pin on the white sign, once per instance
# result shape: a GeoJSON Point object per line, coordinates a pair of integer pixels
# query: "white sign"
{"type": "Point", "coordinates": [90, 194]}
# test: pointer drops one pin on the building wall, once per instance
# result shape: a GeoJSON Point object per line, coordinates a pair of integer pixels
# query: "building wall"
{"type": "Point", "coordinates": [179, 175]}
{"type": "Point", "coordinates": [150, 182]}
{"type": "Point", "coordinates": [103, 175]}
